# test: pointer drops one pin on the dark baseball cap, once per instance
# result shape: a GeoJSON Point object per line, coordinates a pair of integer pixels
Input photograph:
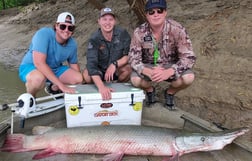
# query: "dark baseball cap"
{"type": "Point", "coordinates": [155, 4]}
{"type": "Point", "coordinates": [106, 11]}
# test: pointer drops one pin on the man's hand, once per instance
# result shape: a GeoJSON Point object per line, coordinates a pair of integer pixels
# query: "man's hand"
{"type": "Point", "coordinates": [110, 73]}
{"type": "Point", "coordinates": [67, 89]}
{"type": "Point", "coordinates": [160, 74]}
{"type": "Point", "coordinates": [106, 92]}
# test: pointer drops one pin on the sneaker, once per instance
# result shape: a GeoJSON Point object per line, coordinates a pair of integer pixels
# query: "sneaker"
{"type": "Point", "coordinates": [151, 97]}
{"type": "Point", "coordinates": [169, 101]}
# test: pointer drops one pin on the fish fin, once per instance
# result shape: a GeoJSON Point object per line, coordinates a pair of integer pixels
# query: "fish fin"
{"type": "Point", "coordinates": [37, 130]}
{"type": "Point", "coordinates": [14, 143]}
{"type": "Point", "coordinates": [44, 153]}
{"type": "Point", "coordinates": [113, 157]}
{"type": "Point", "coordinates": [173, 158]}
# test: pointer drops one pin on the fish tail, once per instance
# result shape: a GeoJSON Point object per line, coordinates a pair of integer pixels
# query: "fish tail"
{"type": "Point", "coordinates": [14, 143]}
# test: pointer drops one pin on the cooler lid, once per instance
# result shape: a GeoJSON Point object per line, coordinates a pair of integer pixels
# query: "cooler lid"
{"type": "Point", "coordinates": [121, 90]}
{"type": "Point", "coordinates": [118, 87]}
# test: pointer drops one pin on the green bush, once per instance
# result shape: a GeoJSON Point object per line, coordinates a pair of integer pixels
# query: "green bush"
{"type": "Point", "coordinates": [5, 4]}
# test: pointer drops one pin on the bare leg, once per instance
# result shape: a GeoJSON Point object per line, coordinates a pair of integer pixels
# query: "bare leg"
{"type": "Point", "coordinates": [87, 78]}
{"type": "Point", "coordinates": [71, 76]}
{"type": "Point", "coordinates": [141, 83]}
{"type": "Point", "coordinates": [35, 82]}
{"type": "Point", "coordinates": [181, 83]}
{"type": "Point", "coordinates": [124, 73]}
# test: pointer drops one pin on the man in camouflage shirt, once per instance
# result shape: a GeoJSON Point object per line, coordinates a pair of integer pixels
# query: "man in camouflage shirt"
{"type": "Point", "coordinates": [161, 50]}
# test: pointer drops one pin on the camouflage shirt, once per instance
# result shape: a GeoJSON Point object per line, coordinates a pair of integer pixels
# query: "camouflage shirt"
{"type": "Point", "coordinates": [175, 48]}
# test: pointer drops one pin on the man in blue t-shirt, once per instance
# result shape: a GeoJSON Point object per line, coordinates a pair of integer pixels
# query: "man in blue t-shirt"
{"type": "Point", "coordinates": [52, 57]}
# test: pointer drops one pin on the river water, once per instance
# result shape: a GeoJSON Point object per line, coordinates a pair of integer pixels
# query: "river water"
{"type": "Point", "coordinates": [10, 88]}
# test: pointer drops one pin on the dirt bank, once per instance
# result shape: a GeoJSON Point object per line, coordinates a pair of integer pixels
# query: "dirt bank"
{"type": "Point", "coordinates": [221, 32]}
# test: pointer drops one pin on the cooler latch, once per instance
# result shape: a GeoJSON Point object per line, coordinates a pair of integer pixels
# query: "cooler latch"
{"type": "Point", "coordinates": [132, 100]}
{"type": "Point", "coordinates": [79, 101]}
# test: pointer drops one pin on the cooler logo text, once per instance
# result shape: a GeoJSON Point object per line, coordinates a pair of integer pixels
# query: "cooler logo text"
{"type": "Point", "coordinates": [106, 113]}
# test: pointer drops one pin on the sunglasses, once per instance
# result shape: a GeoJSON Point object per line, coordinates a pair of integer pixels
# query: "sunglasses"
{"type": "Point", "coordinates": [152, 12]}
{"type": "Point", "coordinates": [69, 28]}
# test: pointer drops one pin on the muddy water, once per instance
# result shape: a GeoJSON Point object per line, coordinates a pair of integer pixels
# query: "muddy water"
{"type": "Point", "coordinates": [10, 88]}
{"type": "Point", "coordinates": [10, 84]}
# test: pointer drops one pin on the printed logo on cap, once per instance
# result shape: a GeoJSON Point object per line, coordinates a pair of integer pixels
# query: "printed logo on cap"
{"type": "Point", "coordinates": [107, 10]}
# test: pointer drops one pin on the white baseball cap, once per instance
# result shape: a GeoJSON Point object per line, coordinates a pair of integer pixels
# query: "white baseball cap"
{"type": "Point", "coordinates": [62, 18]}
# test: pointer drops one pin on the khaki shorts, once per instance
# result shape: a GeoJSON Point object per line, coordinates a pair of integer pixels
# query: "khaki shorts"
{"type": "Point", "coordinates": [171, 79]}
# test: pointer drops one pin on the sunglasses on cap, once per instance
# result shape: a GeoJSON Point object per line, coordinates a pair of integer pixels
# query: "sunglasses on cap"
{"type": "Point", "coordinates": [152, 12]}
{"type": "Point", "coordinates": [69, 28]}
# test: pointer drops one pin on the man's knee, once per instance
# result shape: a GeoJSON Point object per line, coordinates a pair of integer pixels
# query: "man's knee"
{"type": "Point", "coordinates": [86, 77]}
{"type": "Point", "coordinates": [188, 78]}
{"type": "Point", "coordinates": [183, 81]}
{"type": "Point", "coordinates": [78, 79]}
{"type": "Point", "coordinates": [125, 70]}
{"type": "Point", "coordinates": [36, 78]}
{"type": "Point", "coordinates": [136, 81]}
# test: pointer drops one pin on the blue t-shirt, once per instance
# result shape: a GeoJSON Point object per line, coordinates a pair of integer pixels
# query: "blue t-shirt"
{"type": "Point", "coordinates": [44, 41]}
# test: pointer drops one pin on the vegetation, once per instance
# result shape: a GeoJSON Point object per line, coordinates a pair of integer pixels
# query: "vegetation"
{"type": "Point", "coordinates": [5, 4]}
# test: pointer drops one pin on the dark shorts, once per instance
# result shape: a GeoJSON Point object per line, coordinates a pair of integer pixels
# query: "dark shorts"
{"type": "Point", "coordinates": [25, 69]}
{"type": "Point", "coordinates": [115, 76]}
{"type": "Point", "coordinates": [145, 77]}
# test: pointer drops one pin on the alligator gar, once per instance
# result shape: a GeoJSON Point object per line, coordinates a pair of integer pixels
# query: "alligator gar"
{"type": "Point", "coordinates": [116, 141]}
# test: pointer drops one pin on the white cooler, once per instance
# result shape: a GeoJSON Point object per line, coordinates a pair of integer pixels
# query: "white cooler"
{"type": "Point", "coordinates": [86, 107]}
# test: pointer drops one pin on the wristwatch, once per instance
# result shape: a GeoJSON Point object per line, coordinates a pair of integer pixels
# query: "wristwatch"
{"type": "Point", "coordinates": [115, 63]}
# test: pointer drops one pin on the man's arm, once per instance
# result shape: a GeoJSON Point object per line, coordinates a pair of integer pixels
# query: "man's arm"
{"type": "Point", "coordinates": [185, 52]}
{"type": "Point", "coordinates": [40, 63]}
{"type": "Point", "coordinates": [135, 53]}
{"type": "Point", "coordinates": [123, 61]}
